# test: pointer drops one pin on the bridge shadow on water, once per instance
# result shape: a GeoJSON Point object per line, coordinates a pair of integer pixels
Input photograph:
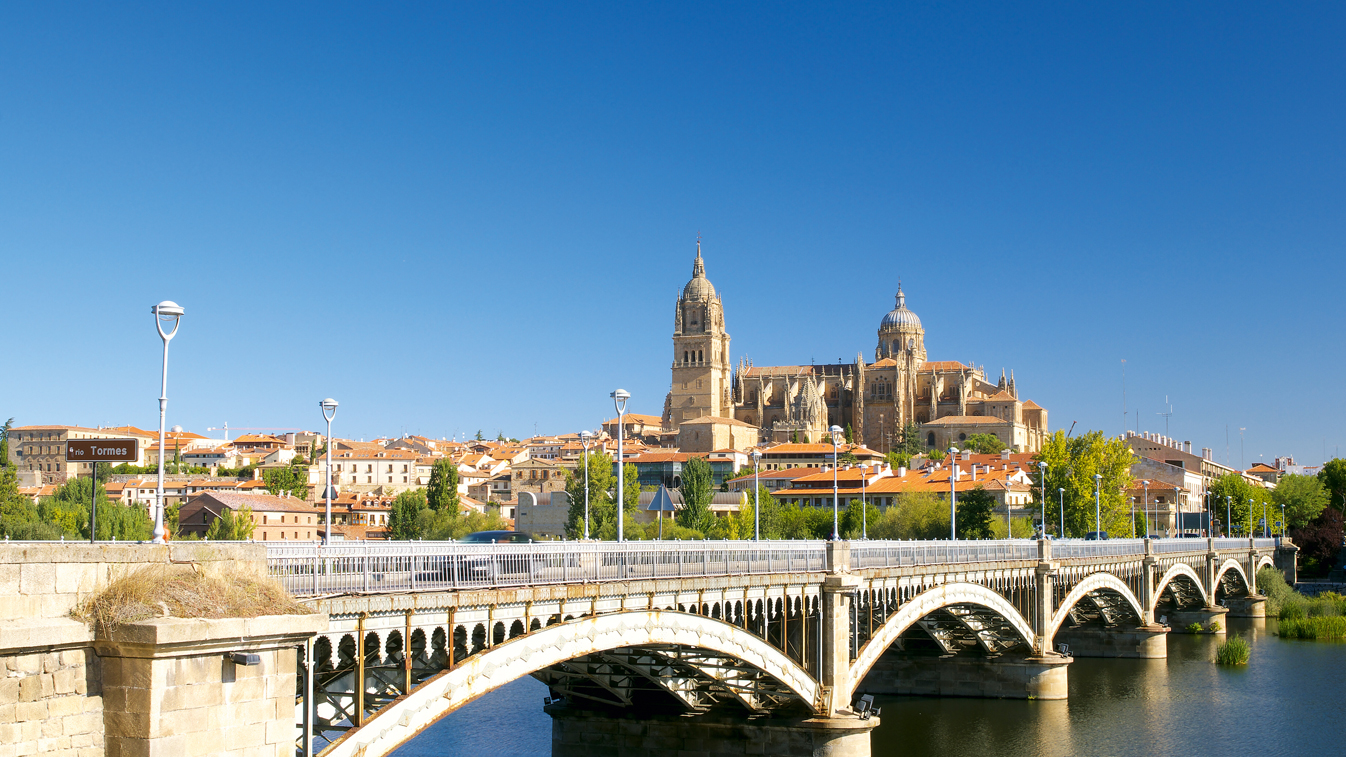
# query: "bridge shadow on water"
{"type": "Point", "coordinates": [1285, 702]}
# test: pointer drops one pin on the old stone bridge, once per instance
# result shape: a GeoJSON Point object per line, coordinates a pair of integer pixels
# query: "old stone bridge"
{"type": "Point", "coordinates": [658, 645]}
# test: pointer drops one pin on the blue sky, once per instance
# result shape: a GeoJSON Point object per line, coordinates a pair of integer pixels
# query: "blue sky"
{"type": "Point", "coordinates": [454, 218]}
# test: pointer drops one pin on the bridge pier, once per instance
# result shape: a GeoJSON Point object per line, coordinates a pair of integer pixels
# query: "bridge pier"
{"type": "Point", "coordinates": [1005, 677]}
{"type": "Point", "coordinates": [1178, 620]}
{"type": "Point", "coordinates": [1144, 642]}
{"type": "Point", "coordinates": [581, 732]}
{"type": "Point", "coordinates": [1251, 606]}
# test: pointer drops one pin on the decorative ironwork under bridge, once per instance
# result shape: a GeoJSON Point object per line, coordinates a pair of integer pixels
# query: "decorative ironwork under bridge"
{"type": "Point", "coordinates": [766, 630]}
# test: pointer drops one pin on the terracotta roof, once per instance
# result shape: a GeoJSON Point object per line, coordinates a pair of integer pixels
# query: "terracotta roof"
{"type": "Point", "coordinates": [1262, 468]}
{"type": "Point", "coordinates": [968, 420]}
{"type": "Point", "coordinates": [884, 363]}
{"type": "Point", "coordinates": [786, 473]}
{"type": "Point", "coordinates": [1031, 405]}
{"type": "Point", "coordinates": [943, 365]}
{"type": "Point", "coordinates": [648, 420]}
{"type": "Point", "coordinates": [259, 503]}
{"type": "Point", "coordinates": [258, 439]}
{"type": "Point", "coordinates": [1001, 396]}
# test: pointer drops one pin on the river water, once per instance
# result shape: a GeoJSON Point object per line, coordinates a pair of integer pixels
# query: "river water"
{"type": "Point", "coordinates": [1289, 700]}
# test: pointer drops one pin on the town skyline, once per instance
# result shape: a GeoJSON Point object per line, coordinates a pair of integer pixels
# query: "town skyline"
{"type": "Point", "coordinates": [427, 231]}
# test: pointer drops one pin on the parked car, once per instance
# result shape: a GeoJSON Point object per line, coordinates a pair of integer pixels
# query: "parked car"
{"type": "Point", "coordinates": [485, 567]}
{"type": "Point", "coordinates": [1096, 536]}
{"type": "Point", "coordinates": [498, 537]}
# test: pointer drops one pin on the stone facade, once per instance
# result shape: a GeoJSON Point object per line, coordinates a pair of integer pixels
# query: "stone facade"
{"type": "Point", "coordinates": [50, 703]}
{"type": "Point", "coordinates": [701, 369]}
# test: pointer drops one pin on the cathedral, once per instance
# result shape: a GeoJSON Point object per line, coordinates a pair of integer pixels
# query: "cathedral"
{"type": "Point", "coordinates": [947, 399]}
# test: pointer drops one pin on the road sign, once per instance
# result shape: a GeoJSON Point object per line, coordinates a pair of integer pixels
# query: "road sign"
{"type": "Point", "coordinates": [101, 450]}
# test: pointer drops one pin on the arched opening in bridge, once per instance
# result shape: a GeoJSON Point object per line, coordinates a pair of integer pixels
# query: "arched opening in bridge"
{"type": "Point", "coordinates": [1181, 593]}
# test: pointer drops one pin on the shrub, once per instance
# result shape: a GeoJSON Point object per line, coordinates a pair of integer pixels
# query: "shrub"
{"type": "Point", "coordinates": [1214, 626]}
{"type": "Point", "coordinates": [1235, 651]}
{"type": "Point", "coordinates": [1194, 627]}
{"type": "Point", "coordinates": [1320, 628]}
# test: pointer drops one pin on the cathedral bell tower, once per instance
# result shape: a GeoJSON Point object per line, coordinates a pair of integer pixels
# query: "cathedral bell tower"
{"type": "Point", "coordinates": [702, 374]}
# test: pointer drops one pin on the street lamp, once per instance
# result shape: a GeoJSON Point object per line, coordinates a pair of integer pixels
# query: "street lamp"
{"type": "Point", "coordinates": [1283, 523]}
{"type": "Point", "coordinates": [1146, 484]}
{"type": "Point", "coordinates": [1042, 468]}
{"type": "Point", "coordinates": [1228, 516]}
{"type": "Point", "coordinates": [1062, 491]}
{"type": "Point", "coordinates": [1098, 511]}
{"type": "Point", "coordinates": [953, 495]}
{"type": "Point", "coordinates": [836, 432]}
{"type": "Point", "coordinates": [1250, 517]}
{"type": "Point", "coordinates": [1133, 517]}
{"type": "Point", "coordinates": [164, 313]}
{"type": "Point", "coordinates": [585, 438]}
{"type": "Point", "coordinates": [864, 506]}
{"type": "Point", "coordinates": [619, 399]}
{"type": "Point", "coordinates": [756, 503]}
{"type": "Point", "coordinates": [329, 407]}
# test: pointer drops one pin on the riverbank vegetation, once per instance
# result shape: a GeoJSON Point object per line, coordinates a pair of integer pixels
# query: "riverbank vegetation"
{"type": "Point", "coordinates": [1320, 618]}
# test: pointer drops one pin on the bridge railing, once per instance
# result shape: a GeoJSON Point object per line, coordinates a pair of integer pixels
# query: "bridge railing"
{"type": "Point", "coordinates": [1169, 546]}
{"type": "Point", "coordinates": [1068, 548]}
{"type": "Point", "coordinates": [309, 569]}
{"type": "Point", "coordinates": [894, 554]}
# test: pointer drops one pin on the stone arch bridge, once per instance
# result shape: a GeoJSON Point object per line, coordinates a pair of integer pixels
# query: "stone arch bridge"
{"type": "Point", "coordinates": [782, 636]}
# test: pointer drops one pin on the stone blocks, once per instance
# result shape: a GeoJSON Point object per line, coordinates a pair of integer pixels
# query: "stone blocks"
{"type": "Point", "coordinates": [998, 678]}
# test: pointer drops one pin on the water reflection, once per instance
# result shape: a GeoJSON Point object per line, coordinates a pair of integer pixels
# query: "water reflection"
{"type": "Point", "coordinates": [1286, 701]}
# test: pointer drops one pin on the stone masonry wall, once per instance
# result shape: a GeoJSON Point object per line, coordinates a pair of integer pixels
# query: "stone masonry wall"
{"type": "Point", "coordinates": [50, 704]}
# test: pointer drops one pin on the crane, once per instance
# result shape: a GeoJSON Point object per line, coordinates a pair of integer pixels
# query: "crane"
{"type": "Point", "coordinates": [225, 429]}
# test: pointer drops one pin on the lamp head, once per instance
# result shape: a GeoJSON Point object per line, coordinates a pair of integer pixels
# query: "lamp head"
{"type": "Point", "coordinates": [1062, 490]}
{"type": "Point", "coordinates": [619, 399]}
{"type": "Point", "coordinates": [167, 309]}
{"type": "Point", "coordinates": [586, 435]}
{"type": "Point", "coordinates": [329, 407]}
{"type": "Point", "coordinates": [1042, 465]}
{"type": "Point", "coordinates": [165, 313]}
{"type": "Point", "coordinates": [953, 450]}
{"type": "Point", "coordinates": [756, 456]}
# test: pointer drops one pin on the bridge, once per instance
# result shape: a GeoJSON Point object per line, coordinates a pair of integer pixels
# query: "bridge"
{"type": "Point", "coordinates": [769, 642]}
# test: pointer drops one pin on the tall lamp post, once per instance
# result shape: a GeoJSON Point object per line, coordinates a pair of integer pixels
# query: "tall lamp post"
{"type": "Point", "coordinates": [836, 433]}
{"type": "Point", "coordinates": [1042, 469]}
{"type": "Point", "coordinates": [1098, 509]}
{"type": "Point", "coordinates": [619, 399]}
{"type": "Point", "coordinates": [164, 313]}
{"type": "Point", "coordinates": [585, 438]}
{"type": "Point", "coordinates": [1146, 484]}
{"type": "Point", "coordinates": [329, 408]}
{"type": "Point", "coordinates": [1062, 491]}
{"type": "Point", "coordinates": [1283, 523]}
{"type": "Point", "coordinates": [1250, 517]}
{"type": "Point", "coordinates": [1133, 517]}
{"type": "Point", "coordinates": [953, 494]}
{"type": "Point", "coordinates": [1228, 516]}
{"type": "Point", "coordinates": [864, 505]}
{"type": "Point", "coordinates": [756, 503]}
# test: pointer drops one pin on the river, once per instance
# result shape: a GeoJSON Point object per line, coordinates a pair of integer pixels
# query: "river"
{"type": "Point", "coordinates": [1288, 700]}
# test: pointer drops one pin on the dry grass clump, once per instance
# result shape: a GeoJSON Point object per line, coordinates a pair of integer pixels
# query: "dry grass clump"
{"type": "Point", "coordinates": [185, 591]}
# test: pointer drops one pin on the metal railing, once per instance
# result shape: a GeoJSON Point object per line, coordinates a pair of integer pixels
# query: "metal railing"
{"type": "Point", "coordinates": [310, 569]}
{"type": "Point", "coordinates": [895, 554]}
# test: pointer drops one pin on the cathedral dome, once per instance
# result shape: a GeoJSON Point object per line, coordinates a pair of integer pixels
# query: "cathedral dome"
{"type": "Point", "coordinates": [900, 316]}
{"type": "Point", "coordinates": [699, 289]}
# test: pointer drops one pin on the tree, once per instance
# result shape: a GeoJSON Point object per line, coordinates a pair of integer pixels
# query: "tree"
{"type": "Point", "coordinates": [1304, 498]}
{"type": "Point", "coordinates": [898, 460]}
{"type": "Point", "coordinates": [1239, 491]}
{"type": "Point", "coordinates": [975, 511]}
{"type": "Point", "coordinates": [1333, 476]}
{"type": "Point", "coordinates": [850, 436]}
{"type": "Point", "coordinates": [984, 444]}
{"type": "Point", "coordinates": [1319, 542]}
{"type": "Point", "coordinates": [500, 437]}
{"type": "Point", "coordinates": [479, 436]}
{"type": "Point", "coordinates": [404, 514]}
{"type": "Point", "coordinates": [600, 504]}
{"type": "Point", "coordinates": [1072, 464]}
{"type": "Point", "coordinates": [4, 443]}
{"type": "Point", "coordinates": [917, 515]}
{"type": "Point", "coordinates": [696, 495]}
{"type": "Point", "coordinates": [910, 440]}
{"type": "Point", "coordinates": [292, 480]}
{"type": "Point", "coordinates": [442, 491]}
{"type": "Point", "coordinates": [232, 525]}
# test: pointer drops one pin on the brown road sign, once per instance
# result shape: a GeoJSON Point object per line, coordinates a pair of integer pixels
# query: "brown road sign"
{"type": "Point", "coordinates": [101, 450]}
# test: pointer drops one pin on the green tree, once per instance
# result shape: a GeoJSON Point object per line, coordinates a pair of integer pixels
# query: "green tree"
{"type": "Point", "coordinates": [984, 444]}
{"type": "Point", "coordinates": [1304, 497]}
{"type": "Point", "coordinates": [898, 460]}
{"type": "Point", "coordinates": [850, 436]}
{"type": "Point", "coordinates": [916, 515]}
{"type": "Point", "coordinates": [696, 495]}
{"type": "Point", "coordinates": [479, 436]}
{"type": "Point", "coordinates": [232, 525]}
{"type": "Point", "coordinates": [858, 518]}
{"type": "Point", "coordinates": [1333, 476]}
{"type": "Point", "coordinates": [600, 480]}
{"type": "Point", "coordinates": [292, 480]}
{"type": "Point", "coordinates": [975, 511]}
{"type": "Point", "coordinates": [404, 515]}
{"type": "Point", "coordinates": [1072, 464]}
{"type": "Point", "coordinates": [442, 491]}
{"type": "Point", "coordinates": [4, 443]}
{"type": "Point", "coordinates": [910, 440]}
{"type": "Point", "coordinates": [1239, 491]}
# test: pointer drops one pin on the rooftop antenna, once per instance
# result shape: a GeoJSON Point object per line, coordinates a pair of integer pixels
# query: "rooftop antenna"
{"type": "Point", "coordinates": [1166, 415]}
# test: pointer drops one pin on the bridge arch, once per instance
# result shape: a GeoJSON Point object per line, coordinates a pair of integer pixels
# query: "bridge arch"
{"type": "Point", "coordinates": [925, 603]}
{"type": "Point", "coordinates": [1232, 565]}
{"type": "Point", "coordinates": [1181, 572]}
{"type": "Point", "coordinates": [1265, 561]}
{"type": "Point", "coordinates": [1093, 582]}
{"type": "Point", "coordinates": [392, 726]}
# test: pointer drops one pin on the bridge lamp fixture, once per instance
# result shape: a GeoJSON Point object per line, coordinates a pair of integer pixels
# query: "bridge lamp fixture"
{"type": "Point", "coordinates": [1133, 517]}
{"type": "Point", "coordinates": [1250, 517]}
{"type": "Point", "coordinates": [329, 408]}
{"type": "Point", "coordinates": [165, 313]}
{"type": "Point", "coordinates": [619, 398]}
{"type": "Point", "coordinates": [836, 433]}
{"type": "Point", "coordinates": [1042, 470]}
{"type": "Point", "coordinates": [756, 505]}
{"type": "Point", "coordinates": [1228, 528]}
{"type": "Point", "coordinates": [586, 438]}
{"type": "Point", "coordinates": [1098, 510]}
{"type": "Point", "coordinates": [953, 495]}
{"type": "Point", "coordinates": [1146, 484]}
{"type": "Point", "coordinates": [1062, 492]}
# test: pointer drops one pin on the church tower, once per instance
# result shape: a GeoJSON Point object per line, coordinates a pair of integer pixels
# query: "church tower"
{"type": "Point", "coordinates": [702, 374]}
{"type": "Point", "coordinates": [901, 334]}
